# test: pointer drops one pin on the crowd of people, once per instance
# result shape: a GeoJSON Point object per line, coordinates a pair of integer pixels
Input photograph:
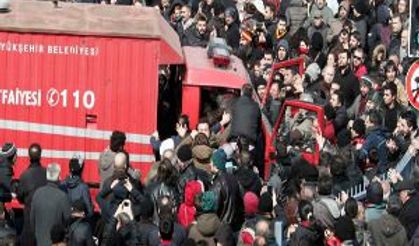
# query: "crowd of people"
{"type": "Point", "coordinates": [206, 187]}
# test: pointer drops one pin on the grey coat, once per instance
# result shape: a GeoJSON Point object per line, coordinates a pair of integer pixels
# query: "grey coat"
{"type": "Point", "coordinates": [50, 206]}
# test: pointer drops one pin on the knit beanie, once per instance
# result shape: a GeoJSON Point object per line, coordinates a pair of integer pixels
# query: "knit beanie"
{"type": "Point", "coordinates": [251, 203]}
{"type": "Point", "coordinates": [219, 159]}
{"type": "Point", "coordinates": [8, 150]}
{"type": "Point", "coordinates": [209, 204]}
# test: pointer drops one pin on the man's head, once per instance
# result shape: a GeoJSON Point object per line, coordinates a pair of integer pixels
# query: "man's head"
{"type": "Point", "coordinates": [407, 123]}
{"type": "Point", "coordinates": [281, 26]}
{"type": "Point", "coordinates": [261, 88]}
{"type": "Point", "coordinates": [166, 207]}
{"type": "Point", "coordinates": [35, 152]}
{"type": "Point", "coordinates": [336, 100]}
{"type": "Point", "coordinates": [365, 85]}
{"type": "Point", "coordinates": [283, 48]}
{"type": "Point", "coordinates": [53, 172]}
{"type": "Point", "coordinates": [390, 94]}
{"type": "Point", "coordinates": [334, 88]}
{"type": "Point", "coordinates": [358, 57]}
{"type": "Point", "coordinates": [268, 58]}
{"type": "Point", "coordinates": [355, 40]}
{"type": "Point", "coordinates": [120, 161]}
{"type": "Point", "coordinates": [247, 90]}
{"type": "Point", "coordinates": [390, 71]}
{"type": "Point", "coordinates": [320, 3]}
{"type": "Point", "coordinates": [75, 167]}
{"type": "Point", "coordinates": [185, 12]}
{"type": "Point", "coordinates": [201, 24]}
{"type": "Point", "coordinates": [396, 24]}
{"type": "Point", "coordinates": [204, 127]}
{"type": "Point", "coordinates": [230, 15]}
{"type": "Point", "coordinates": [373, 119]}
{"type": "Point", "coordinates": [274, 91]}
{"type": "Point", "coordinates": [344, 37]}
{"type": "Point", "coordinates": [325, 185]}
{"type": "Point", "coordinates": [328, 74]}
{"type": "Point", "coordinates": [317, 18]}
{"type": "Point", "coordinates": [289, 76]}
{"type": "Point", "coordinates": [269, 11]}
{"type": "Point", "coordinates": [118, 139]}
{"type": "Point", "coordinates": [343, 59]}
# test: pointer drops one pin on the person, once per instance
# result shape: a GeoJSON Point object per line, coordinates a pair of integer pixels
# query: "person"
{"type": "Point", "coordinates": [8, 158]}
{"type": "Point", "coordinates": [307, 232]}
{"type": "Point", "coordinates": [76, 188]}
{"type": "Point", "coordinates": [50, 206]}
{"type": "Point", "coordinates": [408, 214]}
{"type": "Point", "coordinates": [349, 83]}
{"type": "Point", "coordinates": [199, 35]}
{"type": "Point", "coordinates": [358, 107]}
{"type": "Point", "coordinates": [341, 119]}
{"type": "Point", "coordinates": [375, 207]}
{"type": "Point", "coordinates": [232, 28]}
{"type": "Point", "coordinates": [7, 234]}
{"type": "Point", "coordinates": [79, 232]}
{"type": "Point", "coordinates": [360, 69]}
{"type": "Point", "coordinates": [245, 117]}
{"type": "Point", "coordinates": [30, 180]}
{"type": "Point", "coordinates": [392, 109]}
{"type": "Point", "coordinates": [387, 229]}
{"type": "Point", "coordinates": [107, 158]}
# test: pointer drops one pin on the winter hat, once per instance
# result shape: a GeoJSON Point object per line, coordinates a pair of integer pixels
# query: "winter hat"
{"type": "Point", "coordinates": [367, 81]}
{"type": "Point", "coordinates": [361, 7]}
{"type": "Point", "coordinates": [184, 153]}
{"type": "Point", "coordinates": [219, 158]}
{"type": "Point", "coordinates": [228, 150]}
{"type": "Point", "coordinates": [167, 144]}
{"type": "Point", "coordinates": [313, 70]}
{"type": "Point", "coordinates": [383, 14]}
{"type": "Point", "coordinates": [248, 236]}
{"type": "Point", "coordinates": [74, 165]}
{"type": "Point", "coordinates": [251, 203]}
{"type": "Point", "coordinates": [209, 204]}
{"type": "Point", "coordinates": [375, 193]}
{"type": "Point", "coordinates": [8, 150]}
{"type": "Point", "coordinates": [202, 156]}
{"type": "Point", "coordinates": [317, 41]}
{"type": "Point", "coordinates": [265, 203]}
{"type": "Point", "coordinates": [284, 44]}
{"type": "Point", "coordinates": [258, 5]}
{"type": "Point", "coordinates": [359, 126]}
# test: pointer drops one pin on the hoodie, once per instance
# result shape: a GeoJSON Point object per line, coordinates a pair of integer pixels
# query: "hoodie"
{"type": "Point", "coordinates": [327, 210]}
{"type": "Point", "coordinates": [76, 189]}
{"type": "Point", "coordinates": [106, 165]}
{"type": "Point", "coordinates": [187, 211]}
{"type": "Point", "coordinates": [205, 228]}
{"type": "Point", "coordinates": [387, 230]}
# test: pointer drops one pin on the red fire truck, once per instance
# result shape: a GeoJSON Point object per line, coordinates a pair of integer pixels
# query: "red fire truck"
{"type": "Point", "coordinates": [74, 73]}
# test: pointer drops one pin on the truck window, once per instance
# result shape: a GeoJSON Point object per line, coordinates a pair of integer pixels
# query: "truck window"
{"type": "Point", "coordinates": [170, 100]}
{"type": "Point", "coordinates": [215, 101]}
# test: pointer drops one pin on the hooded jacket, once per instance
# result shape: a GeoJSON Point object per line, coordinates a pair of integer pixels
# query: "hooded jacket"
{"type": "Point", "coordinates": [205, 228]}
{"type": "Point", "coordinates": [327, 210]}
{"type": "Point", "coordinates": [187, 211]}
{"type": "Point", "coordinates": [76, 189]}
{"type": "Point", "coordinates": [376, 138]}
{"type": "Point", "coordinates": [106, 165]}
{"type": "Point", "coordinates": [387, 230]}
{"type": "Point", "coordinates": [245, 119]}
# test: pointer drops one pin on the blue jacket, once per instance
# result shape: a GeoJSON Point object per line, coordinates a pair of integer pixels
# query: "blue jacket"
{"type": "Point", "coordinates": [76, 189]}
{"type": "Point", "coordinates": [376, 138]}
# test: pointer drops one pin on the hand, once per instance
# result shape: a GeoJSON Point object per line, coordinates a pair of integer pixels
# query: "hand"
{"type": "Point", "coordinates": [350, 124]}
{"type": "Point", "coordinates": [128, 185]}
{"type": "Point", "coordinates": [291, 229]}
{"type": "Point", "coordinates": [225, 119]}
{"type": "Point", "coordinates": [155, 134]}
{"type": "Point", "coordinates": [394, 176]}
{"type": "Point", "coordinates": [194, 133]}
{"type": "Point", "coordinates": [115, 182]}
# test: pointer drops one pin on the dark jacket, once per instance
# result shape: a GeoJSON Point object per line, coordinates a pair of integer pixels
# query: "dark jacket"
{"type": "Point", "coordinates": [230, 203]}
{"type": "Point", "coordinates": [248, 180]}
{"type": "Point", "coordinates": [146, 227]}
{"type": "Point", "coordinates": [125, 236]}
{"type": "Point", "coordinates": [158, 190]}
{"type": "Point", "coordinates": [376, 138]}
{"type": "Point", "coordinates": [392, 115]}
{"type": "Point", "coordinates": [29, 181]}
{"type": "Point", "coordinates": [80, 233]}
{"type": "Point", "coordinates": [349, 86]}
{"type": "Point", "coordinates": [341, 119]}
{"type": "Point", "coordinates": [6, 175]}
{"type": "Point", "coordinates": [409, 215]}
{"type": "Point", "coordinates": [193, 38]}
{"type": "Point", "coordinates": [306, 235]}
{"type": "Point", "coordinates": [233, 36]}
{"type": "Point", "coordinates": [76, 189]}
{"type": "Point", "coordinates": [387, 230]}
{"type": "Point", "coordinates": [245, 119]}
{"type": "Point", "coordinates": [178, 238]}
{"type": "Point", "coordinates": [50, 206]}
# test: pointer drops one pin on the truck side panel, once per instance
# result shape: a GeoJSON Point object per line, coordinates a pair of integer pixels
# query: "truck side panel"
{"type": "Point", "coordinates": [69, 92]}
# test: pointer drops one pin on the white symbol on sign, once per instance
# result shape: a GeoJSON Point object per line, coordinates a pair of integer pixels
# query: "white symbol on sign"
{"type": "Point", "coordinates": [53, 97]}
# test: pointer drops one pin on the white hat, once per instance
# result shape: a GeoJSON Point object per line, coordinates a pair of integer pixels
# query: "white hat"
{"type": "Point", "coordinates": [167, 144]}
{"type": "Point", "coordinates": [259, 5]}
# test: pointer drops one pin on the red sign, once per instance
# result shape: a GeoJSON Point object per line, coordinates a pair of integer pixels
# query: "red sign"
{"type": "Point", "coordinates": [412, 85]}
